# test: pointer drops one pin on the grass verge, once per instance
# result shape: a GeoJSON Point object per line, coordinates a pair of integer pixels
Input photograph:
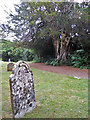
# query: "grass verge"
{"type": "Point", "coordinates": [57, 96]}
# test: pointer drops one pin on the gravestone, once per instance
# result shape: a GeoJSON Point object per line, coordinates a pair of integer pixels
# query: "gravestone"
{"type": "Point", "coordinates": [22, 89]}
{"type": "Point", "coordinates": [10, 66]}
{"type": "Point", "coordinates": [9, 60]}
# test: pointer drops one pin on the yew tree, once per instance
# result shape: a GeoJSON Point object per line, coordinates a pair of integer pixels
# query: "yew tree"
{"type": "Point", "coordinates": [64, 24]}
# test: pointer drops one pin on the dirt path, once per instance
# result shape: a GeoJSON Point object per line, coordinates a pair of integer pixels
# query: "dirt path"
{"type": "Point", "coordinates": [65, 70]}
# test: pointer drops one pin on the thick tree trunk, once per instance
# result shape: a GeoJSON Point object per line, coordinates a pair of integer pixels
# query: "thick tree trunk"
{"type": "Point", "coordinates": [56, 47]}
{"type": "Point", "coordinates": [63, 53]}
{"type": "Point", "coordinates": [64, 48]}
{"type": "Point", "coordinates": [39, 54]}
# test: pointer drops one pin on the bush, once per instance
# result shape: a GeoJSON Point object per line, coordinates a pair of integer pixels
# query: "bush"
{"type": "Point", "coordinates": [52, 62]}
{"type": "Point", "coordinates": [15, 51]}
{"type": "Point", "coordinates": [16, 54]}
{"type": "Point", "coordinates": [39, 60]}
{"type": "Point", "coordinates": [80, 59]}
{"type": "Point", "coordinates": [36, 59]}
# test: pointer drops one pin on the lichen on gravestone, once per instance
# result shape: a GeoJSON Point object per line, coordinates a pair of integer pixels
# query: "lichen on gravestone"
{"type": "Point", "coordinates": [22, 89]}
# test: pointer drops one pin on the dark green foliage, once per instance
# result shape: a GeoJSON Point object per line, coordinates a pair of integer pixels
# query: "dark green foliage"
{"type": "Point", "coordinates": [36, 59]}
{"type": "Point", "coordinates": [15, 52]}
{"type": "Point", "coordinates": [40, 60]}
{"type": "Point", "coordinates": [80, 59]}
{"type": "Point", "coordinates": [44, 48]}
{"type": "Point", "coordinates": [47, 61]}
{"type": "Point", "coordinates": [52, 61]}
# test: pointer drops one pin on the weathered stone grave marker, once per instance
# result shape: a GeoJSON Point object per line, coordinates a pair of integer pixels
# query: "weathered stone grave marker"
{"type": "Point", "coordinates": [22, 89]}
{"type": "Point", "coordinates": [10, 66]}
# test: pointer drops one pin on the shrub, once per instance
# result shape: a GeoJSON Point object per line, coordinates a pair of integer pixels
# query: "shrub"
{"type": "Point", "coordinates": [16, 54]}
{"type": "Point", "coordinates": [80, 59]}
{"type": "Point", "coordinates": [51, 61]}
{"type": "Point", "coordinates": [36, 59]}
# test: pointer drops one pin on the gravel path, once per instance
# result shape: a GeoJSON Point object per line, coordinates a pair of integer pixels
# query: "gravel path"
{"type": "Point", "coordinates": [64, 70]}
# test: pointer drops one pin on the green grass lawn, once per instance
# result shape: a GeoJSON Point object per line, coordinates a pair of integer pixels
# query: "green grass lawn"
{"type": "Point", "coordinates": [57, 96]}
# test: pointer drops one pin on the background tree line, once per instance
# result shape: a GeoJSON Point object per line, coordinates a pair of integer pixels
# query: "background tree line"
{"type": "Point", "coordinates": [15, 52]}
{"type": "Point", "coordinates": [57, 31]}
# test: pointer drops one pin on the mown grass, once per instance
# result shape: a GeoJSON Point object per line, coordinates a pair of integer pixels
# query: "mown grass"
{"type": "Point", "coordinates": [57, 96]}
